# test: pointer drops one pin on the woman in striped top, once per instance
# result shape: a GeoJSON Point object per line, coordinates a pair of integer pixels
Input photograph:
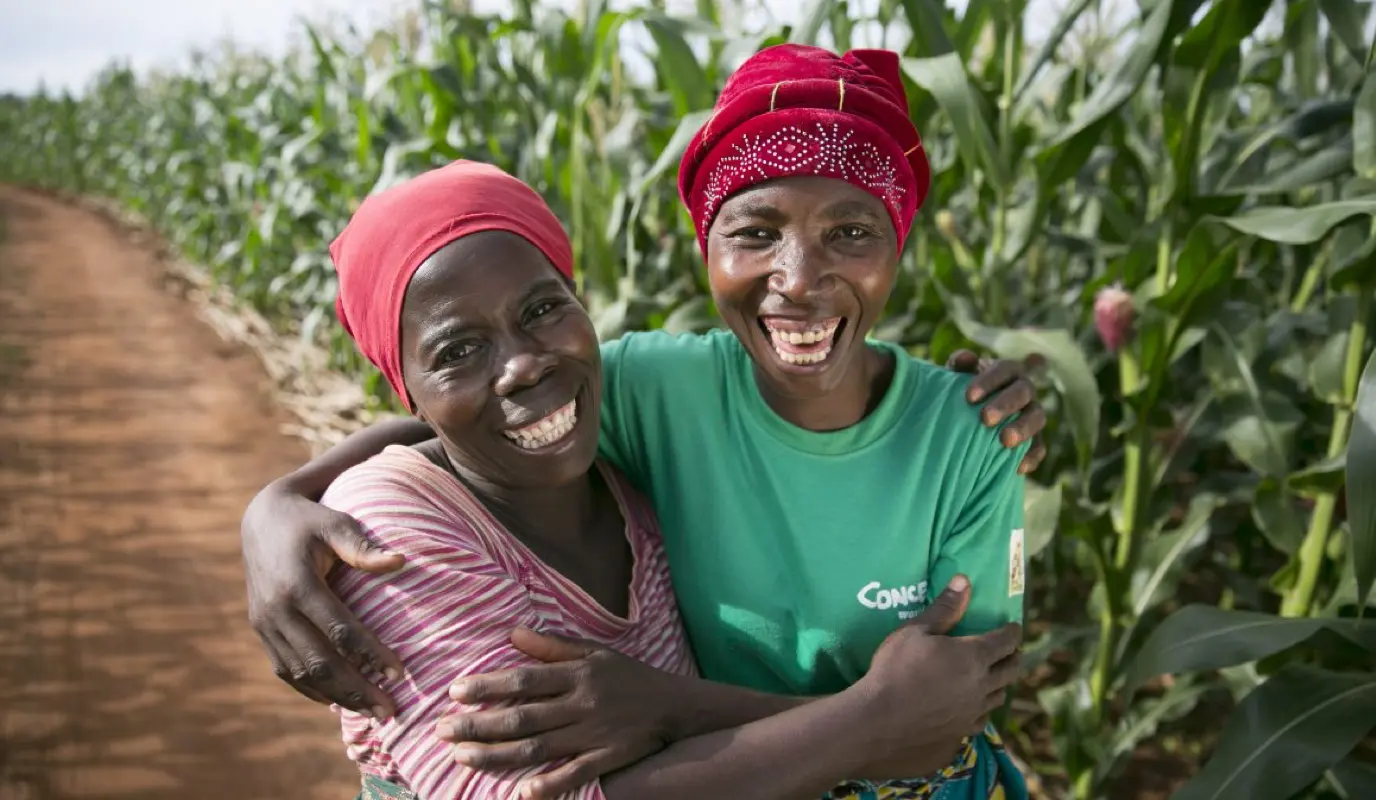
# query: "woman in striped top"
{"type": "Point", "coordinates": [457, 285]}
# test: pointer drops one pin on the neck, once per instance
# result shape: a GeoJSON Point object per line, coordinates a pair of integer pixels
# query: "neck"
{"type": "Point", "coordinates": [558, 514]}
{"type": "Point", "coordinates": [856, 396]}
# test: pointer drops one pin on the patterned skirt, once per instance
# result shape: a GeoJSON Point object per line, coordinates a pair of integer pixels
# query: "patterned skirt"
{"type": "Point", "coordinates": [982, 771]}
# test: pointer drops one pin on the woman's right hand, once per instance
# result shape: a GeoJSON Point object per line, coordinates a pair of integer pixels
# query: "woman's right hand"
{"type": "Point", "coordinates": [316, 645]}
{"type": "Point", "coordinates": [930, 691]}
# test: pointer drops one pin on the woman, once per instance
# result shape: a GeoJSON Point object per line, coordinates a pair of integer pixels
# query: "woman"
{"type": "Point", "coordinates": [458, 286]}
{"type": "Point", "coordinates": [813, 487]}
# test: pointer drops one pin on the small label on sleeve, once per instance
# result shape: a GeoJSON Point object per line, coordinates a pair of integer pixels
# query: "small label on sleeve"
{"type": "Point", "coordinates": [1017, 564]}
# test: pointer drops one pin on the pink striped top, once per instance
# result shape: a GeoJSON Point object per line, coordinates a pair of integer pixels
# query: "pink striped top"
{"type": "Point", "coordinates": [450, 611]}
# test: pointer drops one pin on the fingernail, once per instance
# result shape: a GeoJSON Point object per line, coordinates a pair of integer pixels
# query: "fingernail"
{"type": "Point", "coordinates": [392, 673]}
{"type": "Point", "coordinates": [379, 712]}
{"type": "Point", "coordinates": [367, 712]}
{"type": "Point", "coordinates": [463, 754]}
{"type": "Point", "coordinates": [458, 691]}
{"type": "Point", "coordinates": [959, 583]}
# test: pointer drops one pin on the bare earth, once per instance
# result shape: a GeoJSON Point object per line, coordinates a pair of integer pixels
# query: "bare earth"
{"type": "Point", "coordinates": [131, 437]}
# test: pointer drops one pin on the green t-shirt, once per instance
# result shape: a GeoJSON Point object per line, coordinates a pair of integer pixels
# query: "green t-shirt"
{"type": "Point", "coordinates": [794, 553]}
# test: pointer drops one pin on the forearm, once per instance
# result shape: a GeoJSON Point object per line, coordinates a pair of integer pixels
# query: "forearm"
{"type": "Point", "coordinates": [707, 706]}
{"type": "Point", "coordinates": [799, 753]}
{"type": "Point", "coordinates": [315, 476]}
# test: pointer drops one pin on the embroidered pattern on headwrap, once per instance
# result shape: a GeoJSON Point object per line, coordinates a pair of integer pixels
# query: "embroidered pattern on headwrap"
{"type": "Point", "coordinates": [798, 110]}
{"type": "Point", "coordinates": [829, 150]}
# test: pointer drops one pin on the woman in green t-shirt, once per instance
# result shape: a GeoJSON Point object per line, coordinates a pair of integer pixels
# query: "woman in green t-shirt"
{"type": "Point", "coordinates": [815, 488]}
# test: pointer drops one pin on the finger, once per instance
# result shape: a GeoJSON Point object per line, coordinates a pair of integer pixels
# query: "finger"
{"type": "Point", "coordinates": [1005, 673]}
{"type": "Point", "coordinates": [349, 637]}
{"type": "Point", "coordinates": [1011, 398]}
{"type": "Point", "coordinates": [1000, 643]}
{"type": "Point", "coordinates": [573, 775]}
{"type": "Point", "coordinates": [550, 647]}
{"type": "Point", "coordinates": [282, 666]}
{"type": "Point", "coordinates": [1033, 459]}
{"type": "Point", "coordinates": [522, 683]}
{"type": "Point", "coordinates": [347, 541]}
{"type": "Point", "coordinates": [319, 668]}
{"type": "Point", "coordinates": [521, 754]}
{"type": "Point", "coordinates": [994, 378]}
{"type": "Point", "coordinates": [506, 724]}
{"type": "Point", "coordinates": [1031, 419]}
{"type": "Point", "coordinates": [944, 612]}
{"type": "Point", "coordinates": [963, 361]}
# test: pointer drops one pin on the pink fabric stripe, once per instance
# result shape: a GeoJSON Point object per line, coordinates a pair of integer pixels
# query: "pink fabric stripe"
{"type": "Point", "coordinates": [450, 610]}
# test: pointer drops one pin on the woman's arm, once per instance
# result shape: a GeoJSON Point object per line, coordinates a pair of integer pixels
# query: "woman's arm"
{"type": "Point", "coordinates": [290, 542]}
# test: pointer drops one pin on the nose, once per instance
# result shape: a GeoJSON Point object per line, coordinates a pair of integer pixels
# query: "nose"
{"type": "Point", "coordinates": [800, 270]}
{"type": "Point", "coordinates": [522, 368]}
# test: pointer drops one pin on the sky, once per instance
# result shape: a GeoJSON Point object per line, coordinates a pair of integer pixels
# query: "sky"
{"type": "Point", "coordinates": [63, 43]}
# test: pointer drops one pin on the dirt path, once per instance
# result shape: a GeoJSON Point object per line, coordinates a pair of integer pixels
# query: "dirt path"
{"type": "Point", "coordinates": [130, 439]}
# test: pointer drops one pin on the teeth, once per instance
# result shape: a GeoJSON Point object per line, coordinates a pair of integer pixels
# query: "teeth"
{"type": "Point", "coordinates": [548, 430]}
{"type": "Point", "coordinates": [802, 358]}
{"type": "Point", "coordinates": [816, 335]}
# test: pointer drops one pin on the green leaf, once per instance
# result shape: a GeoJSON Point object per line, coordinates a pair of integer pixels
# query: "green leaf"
{"type": "Point", "coordinates": [1324, 477]}
{"type": "Point", "coordinates": [945, 78]}
{"type": "Point", "coordinates": [1364, 130]}
{"type": "Point", "coordinates": [1069, 370]}
{"type": "Point", "coordinates": [1347, 24]}
{"type": "Point", "coordinates": [672, 153]}
{"type": "Point", "coordinates": [1275, 515]}
{"type": "Point", "coordinates": [1041, 515]}
{"type": "Point", "coordinates": [1050, 45]}
{"type": "Point", "coordinates": [1200, 637]}
{"type": "Point", "coordinates": [1121, 84]}
{"type": "Point", "coordinates": [1326, 370]}
{"type": "Point", "coordinates": [1285, 225]}
{"type": "Point", "coordinates": [813, 18]}
{"type": "Point", "coordinates": [1161, 558]}
{"type": "Point", "coordinates": [1361, 472]}
{"type": "Point", "coordinates": [678, 67]}
{"type": "Point", "coordinates": [928, 25]}
{"type": "Point", "coordinates": [1357, 779]}
{"type": "Point", "coordinates": [1285, 734]}
{"type": "Point", "coordinates": [1258, 438]}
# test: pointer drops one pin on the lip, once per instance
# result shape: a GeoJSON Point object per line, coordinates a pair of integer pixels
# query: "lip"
{"type": "Point", "coordinates": [530, 418]}
{"type": "Point", "coordinates": [799, 323]}
{"type": "Point", "coordinates": [569, 439]}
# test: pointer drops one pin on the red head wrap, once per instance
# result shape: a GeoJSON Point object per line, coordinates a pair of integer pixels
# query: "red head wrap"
{"type": "Point", "coordinates": [800, 110]}
{"type": "Point", "coordinates": [395, 231]}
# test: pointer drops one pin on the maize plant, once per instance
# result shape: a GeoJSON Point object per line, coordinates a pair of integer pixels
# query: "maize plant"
{"type": "Point", "coordinates": [1168, 215]}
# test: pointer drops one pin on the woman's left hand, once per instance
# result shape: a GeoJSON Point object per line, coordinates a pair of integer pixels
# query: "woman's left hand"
{"type": "Point", "coordinates": [588, 702]}
{"type": "Point", "coordinates": [1008, 390]}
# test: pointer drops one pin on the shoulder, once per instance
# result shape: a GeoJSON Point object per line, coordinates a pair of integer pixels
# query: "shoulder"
{"type": "Point", "coordinates": [396, 476]}
{"type": "Point", "coordinates": [660, 352]}
{"type": "Point", "coordinates": [407, 503]}
{"type": "Point", "coordinates": [939, 394]}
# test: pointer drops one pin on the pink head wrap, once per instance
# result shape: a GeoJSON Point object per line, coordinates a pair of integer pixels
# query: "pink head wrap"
{"type": "Point", "coordinates": [395, 231]}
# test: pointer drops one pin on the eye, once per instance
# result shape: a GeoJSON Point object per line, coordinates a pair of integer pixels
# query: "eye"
{"type": "Point", "coordinates": [542, 308]}
{"type": "Point", "coordinates": [753, 235]}
{"type": "Point", "coordinates": [854, 232]}
{"type": "Point", "coordinates": [456, 352]}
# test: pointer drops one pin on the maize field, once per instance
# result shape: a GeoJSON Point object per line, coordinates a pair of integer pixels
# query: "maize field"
{"type": "Point", "coordinates": [1171, 220]}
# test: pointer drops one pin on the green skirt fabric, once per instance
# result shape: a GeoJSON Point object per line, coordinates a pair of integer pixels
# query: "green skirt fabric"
{"type": "Point", "coordinates": [375, 788]}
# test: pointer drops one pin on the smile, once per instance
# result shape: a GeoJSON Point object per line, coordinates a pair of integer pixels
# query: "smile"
{"type": "Point", "coordinates": [548, 431]}
{"type": "Point", "coordinates": [802, 342]}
